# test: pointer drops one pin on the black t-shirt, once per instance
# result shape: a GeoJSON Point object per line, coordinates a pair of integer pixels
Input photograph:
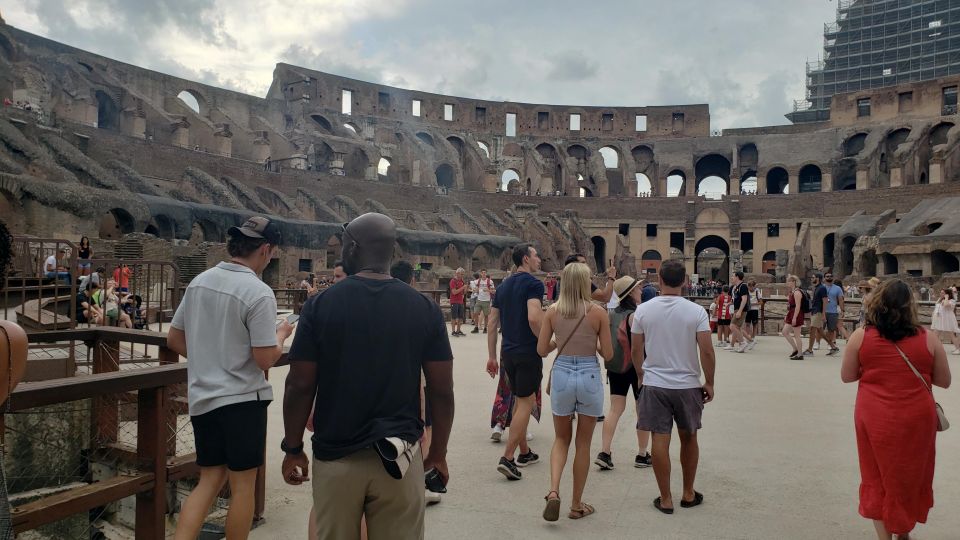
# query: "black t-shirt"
{"type": "Point", "coordinates": [741, 294]}
{"type": "Point", "coordinates": [369, 338]}
{"type": "Point", "coordinates": [81, 300]}
{"type": "Point", "coordinates": [816, 306]}
{"type": "Point", "coordinates": [511, 300]}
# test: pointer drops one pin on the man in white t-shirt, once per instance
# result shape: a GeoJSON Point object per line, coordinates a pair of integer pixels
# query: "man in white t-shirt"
{"type": "Point", "coordinates": [484, 288]}
{"type": "Point", "coordinates": [667, 332]}
{"type": "Point", "coordinates": [53, 269]}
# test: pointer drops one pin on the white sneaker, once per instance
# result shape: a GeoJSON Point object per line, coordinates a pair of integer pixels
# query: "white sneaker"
{"type": "Point", "coordinates": [751, 345]}
{"type": "Point", "coordinates": [431, 497]}
{"type": "Point", "coordinates": [957, 351]}
{"type": "Point", "coordinates": [497, 433]}
{"type": "Point", "coordinates": [742, 348]}
{"type": "Point", "coordinates": [816, 346]}
{"type": "Point", "coordinates": [529, 436]}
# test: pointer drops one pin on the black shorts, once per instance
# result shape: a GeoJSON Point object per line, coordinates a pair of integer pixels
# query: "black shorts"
{"type": "Point", "coordinates": [753, 316]}
{"type": "Point", "coordinates": [524, 373]}
{"type": "Point", "coordinates": [458, 312]}
{"type": "Point", "coordinates": [723, 322]}
{"type": "Point", "coordinates": [620, 383]}
{"type": "Point", "coordinates": [232, 435]}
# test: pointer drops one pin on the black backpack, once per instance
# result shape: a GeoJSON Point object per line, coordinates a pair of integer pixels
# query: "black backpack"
{"type": "Point", "coordinates": [804, 302]}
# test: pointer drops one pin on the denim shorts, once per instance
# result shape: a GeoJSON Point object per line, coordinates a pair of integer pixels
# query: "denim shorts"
{"type": "Point", "coordinates": [576, 386]}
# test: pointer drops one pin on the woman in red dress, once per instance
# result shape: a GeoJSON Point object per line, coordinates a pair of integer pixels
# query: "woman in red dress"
{"type": "Point", "coordinates": [895, 419]}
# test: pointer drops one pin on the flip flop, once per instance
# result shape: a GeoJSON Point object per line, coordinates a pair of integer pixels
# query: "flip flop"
{"type": "Point", "coordinates": [697, 500]}
{"type": "Point", "coordinates": [552, 511]}
{"type": "Point", "coordinates": [584, 511]}
{"type": "Point", "coordinates": [656, 504]}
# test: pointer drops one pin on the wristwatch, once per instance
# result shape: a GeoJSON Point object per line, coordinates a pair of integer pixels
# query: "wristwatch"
{"type": "Point", "coordinates": [290, 451]}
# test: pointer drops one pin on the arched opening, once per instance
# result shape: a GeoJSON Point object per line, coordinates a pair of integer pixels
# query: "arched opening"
{"type": "Point", "coordinates": [551, 166]}
{"type": "Point", "coordinates": [457, 144]}
{"type": "Point", "coordinates": [599, 252]}
{"type": "Point", "coordinates": [644, 186]}
{"type": "Point", "coordinates": [108, 115]}
{"type": "Point", "coordinates": [650, 261]}
{"type": "Point", "coordinates": [642, 157]}
{"type": "Point", "coordinates": [322, 122]}
{"type": "Point", "coordinates": [938, 135]}
{"type": "Point", "coordinates": [529, 187]}
{"type": "Point", "coordinates": [383, 169]}
{"type": "Point", "coordinates": [426, 138]}
{"type": "Point", "coordinates": [829, 245]}
{"type": "Point", "coordinates": [508, 176]}
{"type": "Point", "coordinates": [676, 254]}
{"type": "Point", "coordinates": [209, 231]}
{"type": "Point", "coordinates": [748, 183]}
{"type": "Point", "coordinates": [748, 157]}
{"type": "Point", "coordinates": [712, 258]}
{"type": "Point", "coordinates": [868, 263]}
{"type": "Point", "coordinates": [352, 128]}
{"type": "Point", "coordinates": [714, 171]}
{"type": "Point", "coordinates": [334, 249]}
{"type": "Point", "coordinates": [854, 144]}
{"type": "Point", "coordinates": [116, 223]}
{"type": "Point", "coordinates": [891, 265]}
{"type": "Point", "coordinates": [923, 178]}
{"type": "Point", "coordinates": [482, 258]}
{"type": "Point", "coordinates": [611, 158]}
{"type": "Point", "coordinates": [676, 183]}
{"type": "Point", "coordinates": [778, 181]}
{"type": "Point", "coordinates": [152, 229]}
{"type": "Point", "coordinates": [846, 256]}
{"type": "Point", "coordinates": [166, 227]}
{"type": "Point", "coordinates": [578, 152]}
{"type": "Point", "coordinates": [484, 148]}
{"type": "Point", "coordinates": [943, 262]}
{"type": "Point", "coordinates": [811, 179]}
{"type": "Point", "coordinates": [845, 175]}
{"type": "Point", "coordinates": [769, 263]}
{"type": "Point", "coordinates": [190, 100]}
{"type": "Point", "coordinates": [451, 257]}
{"type": "Point", "coordinates": [355, 164]}
{"type": "Point", "coordinates": [445, 176]}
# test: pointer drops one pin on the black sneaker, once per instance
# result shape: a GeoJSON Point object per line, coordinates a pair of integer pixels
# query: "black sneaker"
{"type": "Point", "coordinates": [475, 330]}
{"type": "Point", "coordinates": [434, 482]}
{"type": "Point", "coordinates": [833, 351]}
{"type": "Point", "coordinates": [484, 330]}
{"type": "Point", "coordinates": [508, 468]}
{"type": "Point", "coordinates": [527, 459]}
{"type": "Point", "coordinates": [644, 461]}
{"type": "Point", "coordinates": [797, 356]}
{"type": "Point", "coordinates": [604, 461]}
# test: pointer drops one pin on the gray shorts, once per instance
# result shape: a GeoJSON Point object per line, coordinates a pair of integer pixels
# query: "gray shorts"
{"type": "Point", "coordinates": [457, 312]}
{"type": "Point", "coordinates": [658, 408]}
{"type": "Point", "coordinates": [832, 320]}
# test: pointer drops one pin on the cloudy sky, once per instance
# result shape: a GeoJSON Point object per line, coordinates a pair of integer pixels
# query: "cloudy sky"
{"type": "Point", "coordinates": [743, 57]}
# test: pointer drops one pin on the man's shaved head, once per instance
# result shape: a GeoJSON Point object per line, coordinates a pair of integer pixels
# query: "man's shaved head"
{"type": "Point", "coordinates": [368, 244]}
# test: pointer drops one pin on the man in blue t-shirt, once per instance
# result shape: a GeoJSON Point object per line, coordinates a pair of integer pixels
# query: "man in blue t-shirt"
{"type": "Point", "coordinates": [832, 308]}
{"type": "Point", "coordinates": [518, 305]}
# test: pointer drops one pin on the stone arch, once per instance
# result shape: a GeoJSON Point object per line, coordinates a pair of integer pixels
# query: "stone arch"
{"type": "Point", "coordinates": [552, 165]}
{"type": "Point", "coordinates": [166, 227]}
{"type": "Point", "coordinates": [482, 257]}
{"type": "Point", "coordinates": [942, 262]}
{"type": "Point", "coordinates": [845, 175]}
{"type": "Point", "coordinates": [194, 101]}
{"type": "Point", "coordinates": [642, 157]}
{"type": "Point", "coordinates": [209, 230]}
{"type": "Point", "coordinates": [355, 163]}
{"type": "Point", "coordinates": [713, 271]}
{"type": "Point", "coordinates": [938, 135]}
{"type": "Point", "coordinates": [644, 185]}
{"type": "Point", "coordinates": [748, 182]}
{"type": "Point", "coordinates": [508, 176]}
{"type": "Point", "coordinates": [710, 170]}
{"type": "Point", "coordinates": [611, 157]}
{"type": "Point", "coordinates": [650, 261]}
{"type": "Point", "coordinates": [845, 264]}
{"type": "Point", "coordinates": [599, 252]}
{"type": "Point", "coordinates": [451, 257]}
{"type": "Point", "coordinates": [891, 265]}
{"type": "Point", "coordinates": [811, 179]}
{"type": "Point", "coordinates": [383, 169]}
{"type": "Point", "coordinates": [322, 122]}
{"type": "Point", "coordinates": [676, 183]}
{"type": "Point", "coordinates": [829, 246]}
{"type": "Point", "coordinates": [769, 263]}
{"type": "Point", "coordinates": [854, 144]}
{"type": "Point", "coordinates": [352, 129]}
{"type": "Point", "coordinates": [116, 223]}
{"type": "Point", "coordinates": [426, 138]}
{"type": "Point", "coordinates": [446, 176]}
{"type": "Point", "coordinates": [485, 148]}
{"type": "Point", "coordinates": [778, 181]}
{"type": "Point", "coordinates": [868, 263]}
{"type": "Point", "coordinates": [457, 144]}
{"type": "Point", "coordinates": [108, 113]}
{"type": "Point", "coordinates": [578, 152]}
{"type": "Point", "coordinates": [322, 156]}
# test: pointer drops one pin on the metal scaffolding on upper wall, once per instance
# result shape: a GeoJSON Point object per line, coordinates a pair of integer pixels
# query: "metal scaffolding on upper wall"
{"type": "Point", "coordinates": [879, 43]}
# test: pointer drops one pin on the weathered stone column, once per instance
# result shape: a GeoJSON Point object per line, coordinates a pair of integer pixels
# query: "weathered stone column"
{"type": "Point", "coordinates": [826, 182]}
{"type": "Point", "coordinates": [793, 184]}
{"type": "Point", "coordinates": [936, 172]}
{"type": "Point", "coordinates": [261, 146]}
{"type": "Point", "coordinates": [863, 182]}
{"type": "Point", "coordinates": [896, 177]}
{"type": "Point", "coordinates": [181, 133]}
{"type": "Point", "coordinates": [223, 140]}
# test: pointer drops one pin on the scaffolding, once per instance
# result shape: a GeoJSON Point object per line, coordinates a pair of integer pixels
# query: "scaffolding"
{"type": "Point", "coordinates": [878, 43]}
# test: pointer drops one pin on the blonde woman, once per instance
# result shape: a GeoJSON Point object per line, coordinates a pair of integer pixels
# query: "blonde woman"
{"type": "Point", "coordinates": [574, 326]}
{"type": "Point", "coordinates": [793, 324]}
{"type": "Point", "coordinates": [944, 320]}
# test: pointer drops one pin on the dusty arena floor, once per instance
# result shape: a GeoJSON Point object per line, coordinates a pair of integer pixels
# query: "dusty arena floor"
{"type": "Point", "coordinates": [778, 460]}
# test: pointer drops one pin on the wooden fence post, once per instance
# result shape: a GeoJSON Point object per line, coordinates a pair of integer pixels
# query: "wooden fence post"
{"type": "Point", "coordinates": [152, 433]}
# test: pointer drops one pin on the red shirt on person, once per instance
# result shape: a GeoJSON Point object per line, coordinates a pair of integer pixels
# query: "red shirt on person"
{"type": "Point", "coordinates": [122, 277]}
{"type": "Point", "coordinates": [455, 284]}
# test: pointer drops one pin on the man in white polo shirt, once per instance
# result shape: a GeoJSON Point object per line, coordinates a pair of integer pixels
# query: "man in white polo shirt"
{"type": "Point", "coordinates": [667, 332]}
{"type": "Point", "coordinates": [226, 327]}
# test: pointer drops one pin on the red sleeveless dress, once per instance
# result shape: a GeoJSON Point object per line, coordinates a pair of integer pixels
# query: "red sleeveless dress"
{"type": "Point", "coordinates": [896, 427]}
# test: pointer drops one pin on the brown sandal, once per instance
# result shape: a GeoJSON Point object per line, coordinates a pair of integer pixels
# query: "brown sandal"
{"type": "Point", "coordinates": [584, 511]}
{"type": "Point", "coordinates": [552, 510]}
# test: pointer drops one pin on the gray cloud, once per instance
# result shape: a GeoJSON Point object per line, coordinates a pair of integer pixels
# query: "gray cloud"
{"type": "Point", "coordinates": [571, 66]}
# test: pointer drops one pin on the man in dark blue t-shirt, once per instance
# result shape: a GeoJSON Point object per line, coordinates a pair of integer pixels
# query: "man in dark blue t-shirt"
{"type": "Point", "coordinates": [816, 313]}
{"type": "Point", "coordinates": [518, 305]}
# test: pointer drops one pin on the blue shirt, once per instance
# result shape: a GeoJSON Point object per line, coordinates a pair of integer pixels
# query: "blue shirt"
{"type": "Point", "coordinates": [834, 294]}
{"type": "Point", "coordinates": [511, 300]}
{"type": "Point", "coordinates": [816, 304]}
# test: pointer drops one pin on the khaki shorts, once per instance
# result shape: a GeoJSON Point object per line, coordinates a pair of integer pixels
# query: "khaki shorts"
{"type": "Point", "coordinates": [483, 306]}
{"type": "Point", "coordinates": [816, 320]}
{"type": "Point", "coordinates": [346, 489]}
{"type": "Point", "coordinates": [738, 321]}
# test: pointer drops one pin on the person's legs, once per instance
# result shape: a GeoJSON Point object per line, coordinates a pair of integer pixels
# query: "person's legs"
{"type": "Point", "coordinates": [340, 490]}
{"type": "Point", "coordinates": [617, 405]}
{"type": "Point", "coordinates": [737, 333]}
{"type": "Point", "coordinates": [193, 511]}
{"type": "Point", "coordinates": [661, 467]}
{"type": "Point", "coordinates": [787, 334]}
{"type": "Point", "coordinates": [814, 336]}
{"type": "Point", "coordinates": [882, 532]}
{"type": "Point", "coordinates": [689, 458]}
{"type": "Point", "coordinates": [518, 426]}
{"type": "Point", "coordinates": [394, 508]}
{"type": "Point", "coordinates": [563, 433]}
{"type": "Point", "coordinates": [581, 459]}
{"type": "Point", "coordinates": [240, 513]}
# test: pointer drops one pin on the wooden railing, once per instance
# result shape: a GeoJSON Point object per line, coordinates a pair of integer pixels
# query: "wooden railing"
{"type": "Point", "coordinates": [159, 393]}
